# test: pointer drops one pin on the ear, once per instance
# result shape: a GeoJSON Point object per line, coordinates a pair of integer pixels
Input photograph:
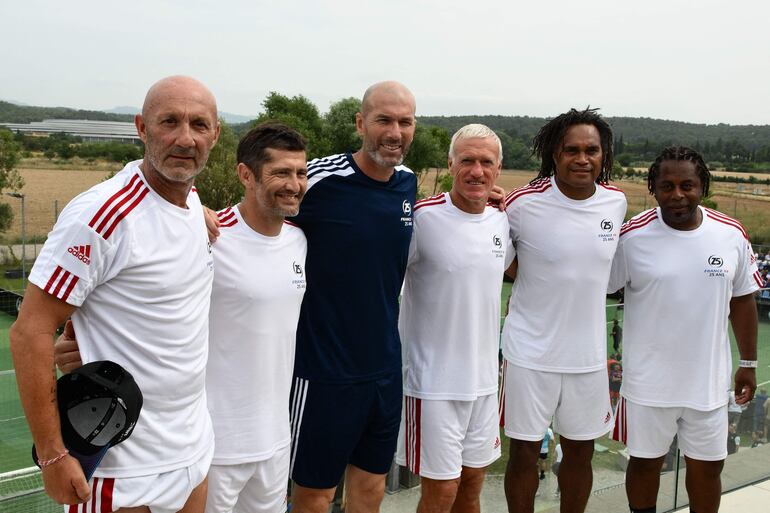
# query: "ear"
{"type": "Point", "coordinates": [360, 124]}
{"type": "Point", "coordinates": [216, 133]}
{"type": "Point", "coordinates": [245, 175]}
{"type": "Point", "coordinates": [141, 127]}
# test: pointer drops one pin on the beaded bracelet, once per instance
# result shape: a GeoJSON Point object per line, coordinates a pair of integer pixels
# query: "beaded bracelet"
{"type": "Point", "coordinates": [45, 463]}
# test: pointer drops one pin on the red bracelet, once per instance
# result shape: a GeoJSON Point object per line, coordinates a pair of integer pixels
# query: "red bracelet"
{"type": "Point", "coordinates": [45, 463]}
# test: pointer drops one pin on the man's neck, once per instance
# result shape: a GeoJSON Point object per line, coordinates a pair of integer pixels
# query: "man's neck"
{"type": "Point", "coordinates": [370, 168]}
{"type": "Point", "coordinates": [269, 226]}
{"type": "Point", "coordinates": [173, 192]}
{"type": "Point", "coordinates": [468, 206]}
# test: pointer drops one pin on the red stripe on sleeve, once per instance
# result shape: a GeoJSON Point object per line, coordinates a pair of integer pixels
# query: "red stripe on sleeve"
{"type": "Point", "coordinates": [108, 218]}
{"type": "Point", "coordinates": [112, 198]}
{"type": "Point", "coordinates": [53, 279]}
{"type": "Point", "coordinates": [70, 287]}
{"type": "Point", "coordinates": [60, 284]}
{"type": "Point", "coordinates": [123, 214]}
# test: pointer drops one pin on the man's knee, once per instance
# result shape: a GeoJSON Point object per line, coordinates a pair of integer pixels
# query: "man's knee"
{"type": "Point", "coordinates": [577, 450]}
{"type": "Point", "coordinates": [645, 466]}
{"type": "Point", "coordinates": [363, 488]}
{"type": "Point", "coordinates": [523, 452]}
{"type": "Point", "coordinates": [311, 500]}
{"type": "Point", "coordinates": [440, 494]}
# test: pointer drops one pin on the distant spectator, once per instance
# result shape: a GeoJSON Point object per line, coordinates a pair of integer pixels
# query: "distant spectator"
{"type": "Point", "coordinates": [756, 439]}
{"type": "Point", "coordinates": [759, 410]}
{"type": "Point", "coordinates": [617, 335]}
{"type": "Point", "coordinates": [733, 440]}
{"type": "Point", "coordinates": [616, 378]}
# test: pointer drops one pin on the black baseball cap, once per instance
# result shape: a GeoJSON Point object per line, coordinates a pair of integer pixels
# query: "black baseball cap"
{"type": "Point", "coordinates": [99, 404]}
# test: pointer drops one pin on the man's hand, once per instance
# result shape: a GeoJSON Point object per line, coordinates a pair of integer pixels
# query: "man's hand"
{"type": "Point", "coordinates": [497, 197]}
{"type": "Point", "coordinates": [65, 350]}
{"type": "Point", "coordinates": [212, 223]}
{"type": "Point", "coordinates": [65, 483]}
{"type": "Point", "coordinates": [745, 384]}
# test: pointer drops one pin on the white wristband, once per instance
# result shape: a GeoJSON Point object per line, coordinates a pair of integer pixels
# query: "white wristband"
{"type": "Point", "coordinates": [747, 364]}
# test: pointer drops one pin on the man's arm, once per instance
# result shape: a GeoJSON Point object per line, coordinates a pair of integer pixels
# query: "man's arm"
{"type": "Point", "coordinates": [743, 318]}
{"type": "Point", "coordinates": [31, 338]}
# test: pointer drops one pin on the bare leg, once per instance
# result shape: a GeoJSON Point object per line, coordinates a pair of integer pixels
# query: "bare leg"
{"type": "Point", "coordinates": [575, 474]}
{"type": "Point", "coordinates": [471, 482]}
{"type": "Point", "coordinates": [311, 500]}
{"type": "Point", "coordinates": [521, 479]}
{"type": "Point", "coordinates": [643, 481]}
{"type": "Point", "coordinates": [364, 490]}
{"type": "Point", "coordinates": [704, 486]}
{"type": "Point", "coordinates": [437, 495]}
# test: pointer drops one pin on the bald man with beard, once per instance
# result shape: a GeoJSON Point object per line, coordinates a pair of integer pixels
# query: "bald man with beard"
{"type": "Point", "coordinates": [346, 397]}
{"type": "Point", "coordinates": [129, 261]}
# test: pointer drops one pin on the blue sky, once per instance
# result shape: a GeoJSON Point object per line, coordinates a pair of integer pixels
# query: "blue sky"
{"type": "Point", "coordinates": [701, 61]}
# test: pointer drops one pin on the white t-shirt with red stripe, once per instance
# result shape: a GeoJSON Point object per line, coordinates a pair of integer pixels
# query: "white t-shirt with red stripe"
{"type": "Point", "coordinates": [449, 320]}
{"type": "Point", "coordinates": [678, 286]}
{"type": "Point", "coordinates": [258, 288]}
{"type": "Point", "coordinates": [556, 319]}
{"type": "Point", "coordinates": [139, 269]}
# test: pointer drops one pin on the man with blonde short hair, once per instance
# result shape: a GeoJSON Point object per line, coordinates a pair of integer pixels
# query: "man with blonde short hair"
{"type": "Point", "coordinates": [449, 325]}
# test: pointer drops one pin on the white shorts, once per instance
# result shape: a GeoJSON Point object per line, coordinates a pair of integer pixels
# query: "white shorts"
{"type": "Point", "coordinates": [162, 493]}
{"type": "Point", "coordinates": [439, 437]}
{"type": "Point", "coordinates": [258, 486]}
{"type": "Point", "coordinates": [648, 431]}
{"type": "Point", "coordinates": [579, 404]}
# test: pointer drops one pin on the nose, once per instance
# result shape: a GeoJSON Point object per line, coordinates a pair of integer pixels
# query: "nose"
{"type": "Point", "coordinates": [582, 157]}
{"type": "Point", "coordinates": [292, 183]}
{"type": "Point", "coordinates": [477, 170]}
{"type": "Point", "coordinates": [184, 136]}
{"type": "Point", "coordinates": [677, 193]}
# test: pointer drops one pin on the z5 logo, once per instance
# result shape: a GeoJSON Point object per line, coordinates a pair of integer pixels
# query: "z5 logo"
{"type": "Point", "coordinates": [496, 241]}
{"type": "Point", "coordinates": [715, 261]}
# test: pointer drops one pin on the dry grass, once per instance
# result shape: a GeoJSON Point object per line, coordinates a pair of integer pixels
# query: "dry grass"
{"type": "Point", "coordinates": [43, 188]}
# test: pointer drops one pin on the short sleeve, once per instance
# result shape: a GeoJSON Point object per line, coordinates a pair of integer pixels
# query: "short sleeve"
{"type": "Point", "coordinates": [76, 257]}
{"type": "Point", "coordinates": [747, 278]}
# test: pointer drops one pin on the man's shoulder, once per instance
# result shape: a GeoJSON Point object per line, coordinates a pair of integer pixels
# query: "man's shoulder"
{"type": "Point", "coordinates": [107, 204]}
{"type": "Point", "coordinates": [536, 189]}
{"type": "Point", "coordinates": [719, 221]}
{"type": "Point", "coordinates": [638, 224]}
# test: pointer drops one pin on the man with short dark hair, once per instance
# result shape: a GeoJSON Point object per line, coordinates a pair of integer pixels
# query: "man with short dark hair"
{"type": "Point", "coordinates": [259, 282]}
{"type": "Point", "coordinates": [565, 226]}
{"type": "Point", "coordinates": [129, 261]}
{"type": "Point", "coordinates": [686, 270]}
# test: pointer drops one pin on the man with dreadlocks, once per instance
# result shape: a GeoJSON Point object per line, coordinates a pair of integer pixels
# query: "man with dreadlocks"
{"type": "Point", "coordinates": [686, 270]}
{"type": "Point", "coordinates": [565, 225]}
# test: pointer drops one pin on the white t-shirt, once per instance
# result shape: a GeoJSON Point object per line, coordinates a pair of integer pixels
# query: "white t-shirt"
{"type": "Point", "coordinates": [556, 320]}
{"type": "Point", "coordinates": [678, 286]}
{"type": "Point", "coordinates": [258, 287]}
{"type": "Point", "coordinates": [140, 271]}
{"type": "Point", "coordinates": [450, 310]}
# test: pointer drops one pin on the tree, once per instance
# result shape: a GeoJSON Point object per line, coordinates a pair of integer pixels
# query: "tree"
{"type": "Point", "coordinates": [10, 152]}
{"type": "Point", "coordinates": [218, 184]}
{"type": "Point", "coordinates": [429, 149]}
{"type": "Point", "coordinates": [301, 114]}
{"type": "Point", "coordinates": [340, 126]}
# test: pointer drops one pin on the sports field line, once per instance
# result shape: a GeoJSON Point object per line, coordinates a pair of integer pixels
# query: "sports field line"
{"type": "Point", "coordinates": [7, 372]}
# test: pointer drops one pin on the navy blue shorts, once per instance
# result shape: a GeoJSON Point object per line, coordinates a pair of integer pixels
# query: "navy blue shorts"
{"type": "Point", "coordinates": [333, 425]}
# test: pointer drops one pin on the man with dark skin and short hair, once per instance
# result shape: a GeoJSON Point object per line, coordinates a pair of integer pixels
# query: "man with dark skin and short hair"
{"type": "Point", "coordinates": [565, 226]}
{"type": "Point", "coordinates": [687, 270]}
{"type": "Point", "coordinates": [129, 261]}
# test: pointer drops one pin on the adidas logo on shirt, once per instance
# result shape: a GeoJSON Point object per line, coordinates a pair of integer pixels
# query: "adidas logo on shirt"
{"type": "Point", "coordinates": [82, 253]}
